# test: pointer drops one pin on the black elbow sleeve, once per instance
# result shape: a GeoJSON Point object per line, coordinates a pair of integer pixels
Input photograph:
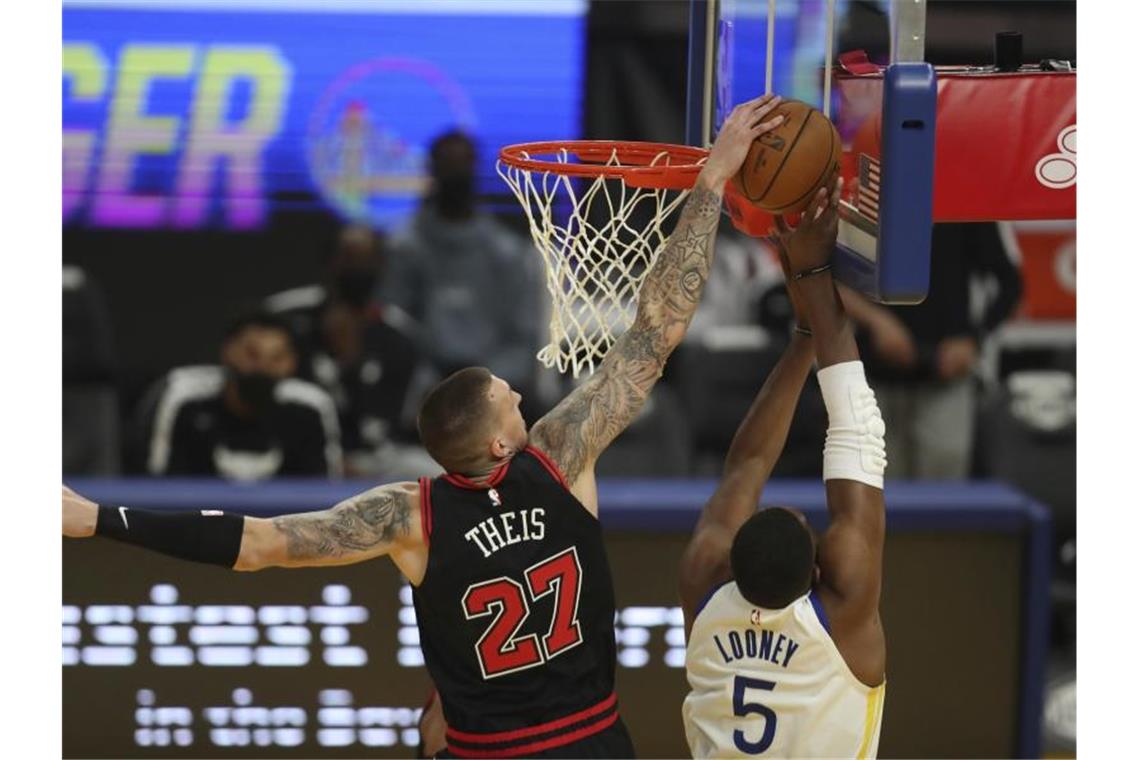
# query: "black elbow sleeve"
{"type": "Point", "coordinates": [207, 536]}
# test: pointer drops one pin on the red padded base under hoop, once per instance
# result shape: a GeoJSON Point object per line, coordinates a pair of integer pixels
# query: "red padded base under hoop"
{"type": "Point", "coordinates": [1005, 144]}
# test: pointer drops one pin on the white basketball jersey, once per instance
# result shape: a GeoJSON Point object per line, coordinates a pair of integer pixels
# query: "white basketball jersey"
{"type": "Point", "coordinates": [772, 683]}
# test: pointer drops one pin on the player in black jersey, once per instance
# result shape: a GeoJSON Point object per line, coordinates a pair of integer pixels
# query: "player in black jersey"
{"type": "Point", "coordinates": [512, 589]}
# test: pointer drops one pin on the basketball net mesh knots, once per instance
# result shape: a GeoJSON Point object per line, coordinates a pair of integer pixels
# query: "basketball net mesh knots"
{"type": "Point", "coordinates": [596, 257]}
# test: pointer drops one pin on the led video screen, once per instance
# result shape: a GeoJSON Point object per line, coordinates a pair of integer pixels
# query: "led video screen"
{"type": "Point", "coordinates": [195, 114]}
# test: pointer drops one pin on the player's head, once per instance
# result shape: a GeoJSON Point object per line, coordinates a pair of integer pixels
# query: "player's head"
{"type": "Point", "coordinates": [453, 173]}
{"type": "Point", "coordinates": [773, 557]}
{"type": "Point", "coordinates": [471, 420]}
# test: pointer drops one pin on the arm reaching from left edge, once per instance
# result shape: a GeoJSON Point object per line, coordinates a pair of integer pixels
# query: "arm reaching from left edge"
{"type": "Point", "coordinates": [382, 520]}
{"type": "Point", "coordinates": [576, 431]}
{"type": "Point", "coordinates": [755, 449]}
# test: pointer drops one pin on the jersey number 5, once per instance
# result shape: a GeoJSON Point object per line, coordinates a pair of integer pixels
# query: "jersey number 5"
{"type": "Point", "coordinates": [742, 708]}
{"type": "Point", "coordinates": [499, 650]}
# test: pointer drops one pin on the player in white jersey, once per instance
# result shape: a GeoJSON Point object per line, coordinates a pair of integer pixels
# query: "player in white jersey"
{"type": "Point", "coordinates": [786, 654]}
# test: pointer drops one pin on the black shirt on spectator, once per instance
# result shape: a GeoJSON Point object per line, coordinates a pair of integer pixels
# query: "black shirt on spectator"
{"type": "Point", "coordinates": [193, 433]}
{"type": "Point", "coordinates": [370, 394]}
{"type": "Point", "coordinates": [960, 254]}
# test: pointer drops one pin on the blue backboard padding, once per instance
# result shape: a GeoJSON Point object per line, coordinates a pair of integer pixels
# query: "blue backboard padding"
{"type": "Point", "coordinates": [857, 272]}
{"type": "Point", "coordinates": [906, 208]}
{"type": "Point", "coordinates": [901, 272]}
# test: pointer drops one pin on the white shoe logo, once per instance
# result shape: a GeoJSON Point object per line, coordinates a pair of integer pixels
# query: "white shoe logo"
{"type": "Point", "coordinates": [123, 514]}
{"type": "Point", "coordinates": [1059, 170]}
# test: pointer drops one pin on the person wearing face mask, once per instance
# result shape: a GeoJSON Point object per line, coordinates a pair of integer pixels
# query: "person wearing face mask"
{"type": "Point", "coordinates": [249, 418]}
{"type": "Point", "coordinates": [472, 285]}
{"type": "Point", "coordinates": [355, 348]}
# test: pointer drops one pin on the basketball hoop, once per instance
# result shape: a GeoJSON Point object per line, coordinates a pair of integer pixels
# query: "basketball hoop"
{"type": "Point", "coordinates": [596, 210]}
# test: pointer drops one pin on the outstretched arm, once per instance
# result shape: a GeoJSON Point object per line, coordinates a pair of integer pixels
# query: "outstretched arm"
{"type": "Point", "coordinates": [576, 431]}
{"type": "Point", "coordinates": [851, 551]}
{"type": "Point", "coordinates": [380, 521]}
{"type": "Point", "coordinates": [755, 449]}
{"type": "Point", "coordinates": [367, 525]}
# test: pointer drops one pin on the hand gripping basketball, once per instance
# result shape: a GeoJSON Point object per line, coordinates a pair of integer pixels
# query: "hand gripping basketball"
{"type": "Point", "coordinates": [743, 125]}
{"type": "Point", "coordinates": [810, 243]}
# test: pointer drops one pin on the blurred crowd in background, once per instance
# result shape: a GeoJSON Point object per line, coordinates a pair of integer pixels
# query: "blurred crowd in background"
{"type": "Point", "coordinates": [324, 379]}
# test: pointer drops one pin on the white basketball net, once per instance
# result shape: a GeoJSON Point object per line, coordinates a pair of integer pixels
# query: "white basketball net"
{"type": "Point", "coordinates": [595, 258]}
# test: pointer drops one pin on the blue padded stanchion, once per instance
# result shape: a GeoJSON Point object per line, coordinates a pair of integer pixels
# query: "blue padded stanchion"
{"type": "Point", "coordinates": [900, 273]}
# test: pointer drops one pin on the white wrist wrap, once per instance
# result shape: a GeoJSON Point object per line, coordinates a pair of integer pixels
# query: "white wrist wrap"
{"type": "Point", "coordinates": [855, 448]}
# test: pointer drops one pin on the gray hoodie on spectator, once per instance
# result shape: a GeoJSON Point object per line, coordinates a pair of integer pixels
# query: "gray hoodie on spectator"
{"type": "Point", "coordinates": [474, 287]}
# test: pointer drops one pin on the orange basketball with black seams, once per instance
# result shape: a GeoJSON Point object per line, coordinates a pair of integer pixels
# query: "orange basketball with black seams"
{"type": "Point", "coordinates": [785, 167]}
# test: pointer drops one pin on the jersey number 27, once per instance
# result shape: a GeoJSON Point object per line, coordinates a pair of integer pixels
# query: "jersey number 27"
{"type": "Point", "coordinates": [499, 650]}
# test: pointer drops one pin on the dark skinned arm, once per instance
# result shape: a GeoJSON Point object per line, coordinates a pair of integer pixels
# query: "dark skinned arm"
{"type": "Point", "coordinates": [755, 449]}
{"type": "Point", "coordinates": [851, 550]}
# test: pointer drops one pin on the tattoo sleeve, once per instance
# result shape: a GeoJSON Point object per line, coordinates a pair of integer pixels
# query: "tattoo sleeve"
{"type": "Point", "coordinates": [576, 431]}
{"type": "Point", "coordinates": [361, 527]}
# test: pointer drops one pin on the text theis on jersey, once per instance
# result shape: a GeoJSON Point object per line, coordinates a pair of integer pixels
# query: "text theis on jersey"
{"type": "Point", "coordinates": [507, 529]}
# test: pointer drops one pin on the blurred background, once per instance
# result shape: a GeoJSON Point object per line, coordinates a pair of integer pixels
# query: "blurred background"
{"type": "Point", "coordinates": [282, 223]}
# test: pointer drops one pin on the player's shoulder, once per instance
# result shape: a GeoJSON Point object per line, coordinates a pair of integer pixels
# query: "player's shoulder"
{"type": "Point", "coordinates": [536, 465]}
{"type": "Point", "coordinates": [716, 598]}
{"type": "Point", "coordinates": [405, 490]}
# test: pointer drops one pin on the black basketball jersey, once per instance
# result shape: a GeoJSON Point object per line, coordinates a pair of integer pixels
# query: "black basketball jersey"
{"type": "Point", "coordinates": [516, 611]}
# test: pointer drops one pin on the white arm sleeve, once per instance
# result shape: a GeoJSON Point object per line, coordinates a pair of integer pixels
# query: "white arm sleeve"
{"type": "Point", "coordinates": [855, 448]}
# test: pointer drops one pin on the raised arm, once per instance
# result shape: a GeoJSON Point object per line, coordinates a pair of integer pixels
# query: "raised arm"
{"type": "Point", "coordinates": [579, 429]}
{"type": "Point", "coordinates": [851, 550]}
{"type": "Point", "coordinates": [383, 520]}
{"type": "Point", "coordinates": [755, 449]}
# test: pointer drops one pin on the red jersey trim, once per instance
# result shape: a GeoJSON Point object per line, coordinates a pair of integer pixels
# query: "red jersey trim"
{"type": "Point", "coordinates": [543, 744]}
{"type": "Point", "coordinates": [549, 464]}
{"type": "Point", "coordinates": [542, 728]}
{"type": "Point", "coordinates": [462, 481]}
{"type": "Point", "coordinates": [425, 509]}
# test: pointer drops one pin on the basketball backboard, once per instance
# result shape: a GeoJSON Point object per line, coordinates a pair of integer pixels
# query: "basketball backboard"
{"type": "Point", "coordinates": [739, 49]}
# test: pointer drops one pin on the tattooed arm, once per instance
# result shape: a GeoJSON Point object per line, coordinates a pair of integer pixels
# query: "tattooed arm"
{"type": "Point", "coordinates": [380, 521]}
{"type": "Point", "coordinates": [576, 431]}
{"type": "Point", "coordinates": [384, 520]}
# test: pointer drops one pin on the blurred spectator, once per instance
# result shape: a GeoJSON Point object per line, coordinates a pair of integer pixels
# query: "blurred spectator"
{"type": "Point", "coordinates": [356, 349]}
{"type": "Point", "coordinates": [470, 283]}
{"type": "Point", "coordinates": [921, 359]}
{"type": "Point", "coordinates": [90, 400]}
{"type": "Point", "coordinates": [248, 419]}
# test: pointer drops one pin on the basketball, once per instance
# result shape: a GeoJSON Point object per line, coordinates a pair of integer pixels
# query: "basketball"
{"type": "Point", "coordinates": [785, 167]}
